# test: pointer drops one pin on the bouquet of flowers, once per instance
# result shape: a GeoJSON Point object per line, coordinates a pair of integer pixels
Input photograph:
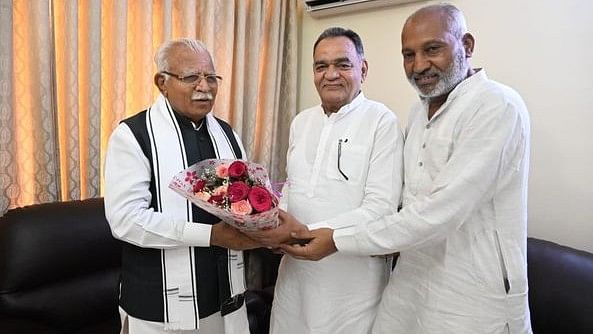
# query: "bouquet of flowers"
{"type": "Point", "coordinates": [236, 191]}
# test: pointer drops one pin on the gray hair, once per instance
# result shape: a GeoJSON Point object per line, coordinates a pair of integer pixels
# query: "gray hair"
{"type": "Point", "coordinates": [453, 17]}
{"type": "Point", "coordinates": [161, 58]}
{"type": "Point", "coordinates": [342, 32]}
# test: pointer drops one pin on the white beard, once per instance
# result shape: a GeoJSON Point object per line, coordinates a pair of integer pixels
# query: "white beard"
{"type": "Point", "coordinates": [448, 79]}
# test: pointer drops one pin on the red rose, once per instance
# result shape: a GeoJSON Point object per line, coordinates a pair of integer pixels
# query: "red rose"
{"type": "Point", "coordinates": [237, 191]}
{"type": "Point", "coordinates": [216, 199]}
{"type": "Point", "coordinates": [260, 199]}
{"type": "Point", "coordinates": [237, 169]}
{"type": "Point", "coordinates": [198, 186]}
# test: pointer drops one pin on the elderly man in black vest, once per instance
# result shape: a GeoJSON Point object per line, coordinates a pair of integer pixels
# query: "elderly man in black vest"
{"type": "Point", "coordinates": [182, 269]}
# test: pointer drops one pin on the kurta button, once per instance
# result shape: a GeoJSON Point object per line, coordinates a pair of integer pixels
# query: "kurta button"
{"type": "Point", "coordinates": [428, 126]}
{"type": "Point", "coordinates": [420, 164]}
{"type": "Point", "coordinates": [423, 145]}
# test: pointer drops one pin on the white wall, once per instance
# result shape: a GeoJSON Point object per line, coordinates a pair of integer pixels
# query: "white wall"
{"type": "Point", "coordinates": [542, 48]}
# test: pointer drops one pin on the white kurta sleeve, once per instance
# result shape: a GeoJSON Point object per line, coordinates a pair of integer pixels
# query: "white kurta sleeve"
{"type": "Point", "coordinates": [382, 189]}
{"type": "Point", "coordinates": [492, 143]}
{"type": "Point", "coordinates": [285, 193]}
{"type": "Point", "coordinates": [127, 200]}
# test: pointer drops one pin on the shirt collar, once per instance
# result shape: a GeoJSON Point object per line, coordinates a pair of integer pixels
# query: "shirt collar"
{"type": "Point", "coordinates": [347, 108]}
{"type": "Point", "coordinates": [187, 123]}
{"type": "Point", "coordinates": [463, 87]}
{"type": "Point", "coordinates": [467, 84]}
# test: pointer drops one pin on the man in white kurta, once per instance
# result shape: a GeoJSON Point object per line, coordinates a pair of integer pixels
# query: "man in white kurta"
{"type": "Point", "coordinates": [343, 161]}
{"type": "Point", "coordinates": [462, 229]}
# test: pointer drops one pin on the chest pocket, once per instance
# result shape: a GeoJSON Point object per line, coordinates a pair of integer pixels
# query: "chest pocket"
{"type": "Point", "coordinates": [436, 154]}
{"type": "Point", "coordinates": [353, 162]}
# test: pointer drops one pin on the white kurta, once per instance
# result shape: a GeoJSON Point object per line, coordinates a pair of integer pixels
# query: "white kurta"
{"type": "Point", "coordinates": [462, 228]}
{"type": "Point", "coordinates": [339, 294]}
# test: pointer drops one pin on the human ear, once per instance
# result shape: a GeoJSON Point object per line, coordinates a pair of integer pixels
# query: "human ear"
{"type": "Point", "coordinates": [364, 69]}
{"type": "Point", "coordinates": [468, 44]}
{"type": "Point", "coordinates": [159, 81]}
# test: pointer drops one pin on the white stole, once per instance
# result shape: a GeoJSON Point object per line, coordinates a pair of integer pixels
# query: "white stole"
{"type": "Point", "coordinates": [179, 264]}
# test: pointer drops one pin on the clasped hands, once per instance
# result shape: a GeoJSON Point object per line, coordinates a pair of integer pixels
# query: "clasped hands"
{"type": "Point", "coordinates": [294, 238]}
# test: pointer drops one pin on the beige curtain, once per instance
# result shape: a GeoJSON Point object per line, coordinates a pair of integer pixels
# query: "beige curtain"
{"type": "Point", "coordinates": [71, 70]}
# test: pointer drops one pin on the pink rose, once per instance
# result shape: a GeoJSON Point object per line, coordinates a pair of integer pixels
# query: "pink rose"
{"type": "Point", "coordinates": [222, 171]}
{"type": "Point", "coordinates": [220, 190]}
{"type": "Point", "coordinates": [237, 191]}
{"type": "Point", "coordinates": [241, 208]}
{"type": "Point", "coordinates": [198, 186]}
{"type": "Point", "coordinates": [204, 196]}
{"type": "Point", "coordinates": [260, 199]}
{"type": "Point", "coordinates": [237, 169]}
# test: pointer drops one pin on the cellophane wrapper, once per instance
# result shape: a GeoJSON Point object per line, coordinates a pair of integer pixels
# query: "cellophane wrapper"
{"type": "Point", "coordinates": [251, 222]}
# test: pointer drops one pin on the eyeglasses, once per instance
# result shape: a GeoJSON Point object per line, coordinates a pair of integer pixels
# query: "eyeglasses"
{"type": "Point", "coordinates": [194, 79]}
{"type": "Point", "coordinates": [340, 141]}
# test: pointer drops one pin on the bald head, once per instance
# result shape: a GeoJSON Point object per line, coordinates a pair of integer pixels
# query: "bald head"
{"type": "Point", "coordinates": [448, 16]}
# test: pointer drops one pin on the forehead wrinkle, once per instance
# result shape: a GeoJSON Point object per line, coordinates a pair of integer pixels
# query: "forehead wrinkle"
{"type": "Point", "coordinates": [188, 61]}
{"type": "Point", "coordinates": [333, 61]}
{"type": "Point", "coordinates": [197, 72]}
{"type": "Point", "coordinates": [436, 17]}
{"type": "Point", "coordinates": [419, 35]}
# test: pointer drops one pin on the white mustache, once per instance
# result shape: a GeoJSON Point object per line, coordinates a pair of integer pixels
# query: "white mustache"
{"type": "Point", "coordinates": [202, 96]}
{"type": "Point", "coordinates": [417, 76]}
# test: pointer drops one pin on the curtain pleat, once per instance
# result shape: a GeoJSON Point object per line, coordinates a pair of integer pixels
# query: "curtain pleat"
{"type": "Point", "coordinates": [9, 186]}
{"type": "Point", "coordinates": [29, 151]}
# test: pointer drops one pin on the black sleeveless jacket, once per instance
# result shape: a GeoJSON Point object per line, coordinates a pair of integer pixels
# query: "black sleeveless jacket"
{"type": "Point", "coordinates": [141, 291]}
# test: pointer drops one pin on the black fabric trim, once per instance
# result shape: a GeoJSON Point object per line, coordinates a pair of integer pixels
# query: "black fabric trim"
{"type": "Point", "coordinates": [165, 292]}
{"type": "Point", "coordinates": [193, 287]}
{"type": "Point", "coordinates": [157, 181]}
{"type": "Point", "coordinates": [232, 304]}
